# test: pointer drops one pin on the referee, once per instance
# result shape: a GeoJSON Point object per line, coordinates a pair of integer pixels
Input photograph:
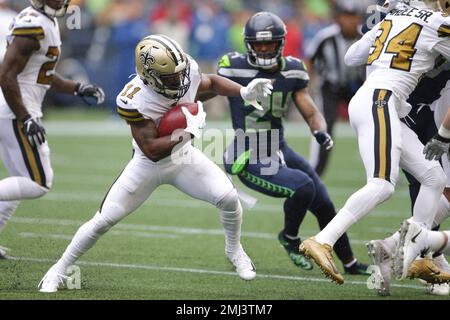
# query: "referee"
{"type": "Point", "coordinates": [337, 82]}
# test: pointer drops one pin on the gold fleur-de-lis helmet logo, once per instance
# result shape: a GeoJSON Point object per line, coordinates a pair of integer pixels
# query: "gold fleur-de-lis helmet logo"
{"type": "Point", "coordinates": [147, 59]}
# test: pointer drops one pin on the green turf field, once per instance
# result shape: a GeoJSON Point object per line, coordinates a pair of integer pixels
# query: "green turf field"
{"type": "Point", "coordinates": [173, 246]}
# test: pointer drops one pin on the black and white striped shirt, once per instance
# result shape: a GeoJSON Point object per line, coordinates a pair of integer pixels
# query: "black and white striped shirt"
{"type": "Point", "coordinates": [326, 51]}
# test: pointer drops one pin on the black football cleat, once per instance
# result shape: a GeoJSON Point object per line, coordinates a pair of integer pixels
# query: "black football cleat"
{"type": "Point", "coordinates": [291, 247]}
{"type": "Point", "coordinates": [357, 268]}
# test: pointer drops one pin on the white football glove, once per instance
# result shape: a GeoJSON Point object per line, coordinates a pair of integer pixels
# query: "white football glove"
{"type": "Point", "coordinates": [196, 123]}
{"type": "Point", "coordinates": [256, 90]}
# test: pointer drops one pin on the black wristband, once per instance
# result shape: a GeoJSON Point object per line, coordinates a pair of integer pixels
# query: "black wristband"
{"type": "Point", "coordinates": [441, 138]}
{"type": "Point", "coordinates": [26, 118]}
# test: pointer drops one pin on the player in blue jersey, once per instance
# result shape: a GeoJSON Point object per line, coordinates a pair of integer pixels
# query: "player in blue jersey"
{"type": "Point", "coordinates": [259, 155]}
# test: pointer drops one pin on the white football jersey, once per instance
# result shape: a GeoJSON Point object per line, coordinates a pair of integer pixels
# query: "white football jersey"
{"type": "Point", "coordinates": [138, 101]}
{"type": "Point", "coordinates": [6, 17]}
{"type": "Point", "coordinates": [37, 76]}
{"type": "Point", "coordinates": [405, 46]}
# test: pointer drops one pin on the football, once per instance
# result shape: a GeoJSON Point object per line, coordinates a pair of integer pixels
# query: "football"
{"type": "Point", "coordinates": [175, 119]}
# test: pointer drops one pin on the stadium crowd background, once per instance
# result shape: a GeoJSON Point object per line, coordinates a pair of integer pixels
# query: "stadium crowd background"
{"type": "Point", "coordinates": [103, 49]}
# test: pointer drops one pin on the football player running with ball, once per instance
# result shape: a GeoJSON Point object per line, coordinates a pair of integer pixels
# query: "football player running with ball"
{"type": "Point", "coordinates": [166, 77]}
{"type": "Point", "coordinates": [294, 179]}
{"type": "Point", "coordinates": [26, 74]}
{"type": "Point", "coordinates": [398, 51]}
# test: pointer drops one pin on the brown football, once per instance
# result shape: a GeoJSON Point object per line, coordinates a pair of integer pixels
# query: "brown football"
{"type": "Point", "coordinates": [175, 119]}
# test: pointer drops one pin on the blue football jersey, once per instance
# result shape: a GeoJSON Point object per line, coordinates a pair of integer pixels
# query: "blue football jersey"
{"type": "Point", "coordinates": [291, 77]}
{"type": "Point", "coordinates": [430, 86]}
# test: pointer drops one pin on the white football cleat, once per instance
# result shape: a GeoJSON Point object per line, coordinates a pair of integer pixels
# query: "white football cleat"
{"type": "Point", "coordinates": [3, 251]}
{"type": "Point", "coordinates": [442, 289]}
{"type": "Point", "coordinates": [381, 256]}
{"type": "Point", "coordinates": [243, 264]}
{"type": "Point", "coordinates": [52, 281]}
{"type": "Point", "coordinates": [413, 241]}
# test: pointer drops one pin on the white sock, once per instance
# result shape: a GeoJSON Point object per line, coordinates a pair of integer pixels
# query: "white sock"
{"type": "Point", "coordinates": [443, 211]}
{"type": "Point", "coordinates": [84, 239]}
{"type": "Point", "coordinates": [438, 241]}
{"type": "Point", "coordinates": [348, 265]}
{"type": "Point", "coordinates": [336, 227]}
{"type": "Point", "coordinates": [7, 209]}
{"type": "Point", "coordinates": [357, 206]}
{"type": "Point", "coordinates": [231, 222]}
{"type": "Point", "coordinates": [392, 241]}
{"type": "Point", "coordinates": [231, 218]}
{"type": "Point", "coordinates": [432, 186]}
{"type": "Point", "coordinates": [19, 188]}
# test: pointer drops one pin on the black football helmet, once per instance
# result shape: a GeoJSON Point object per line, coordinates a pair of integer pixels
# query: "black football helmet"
{"type": "Point", "coordinates": [264, 27]}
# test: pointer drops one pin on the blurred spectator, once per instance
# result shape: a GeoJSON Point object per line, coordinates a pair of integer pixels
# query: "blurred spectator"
{"type": "Point", "coordinates": [172, 18]}
{"type": "Point", "coordinates": [294, 37]}
{"type": "Point", "coordinates": [103, 49]}
{"type": "Point", "coordinates": [126, 20]}
{"type": "Point", "coordinates": [338, 83]}
{"type": "Point", "coordinates": [238, 19]}
{"type": "Point", "coordinates": [6, 17]}
{"type": "Point", "coordinates": [209, 31]}
{"type": "Point", "coordinates": [316, 15]}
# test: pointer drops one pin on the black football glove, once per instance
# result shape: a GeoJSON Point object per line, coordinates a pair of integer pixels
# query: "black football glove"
{"type": "Point", "coordinates": [324, 139]}
{"type": "Point", "coordinates": [92, 91]}
{"type": "Point", "coordinates": [34, 131]}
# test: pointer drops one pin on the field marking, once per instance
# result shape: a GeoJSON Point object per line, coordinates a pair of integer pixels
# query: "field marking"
{"type": "Point", "coordinates": [130, 229]}
{"type": "Point", "coordinates": [120, 129]}
{"type": "Point", "coordinates": [191, 203]}
{"type": "Point", "coordinates": [112, 232]}
{"type": "Point", "coordinates": [203, 271]}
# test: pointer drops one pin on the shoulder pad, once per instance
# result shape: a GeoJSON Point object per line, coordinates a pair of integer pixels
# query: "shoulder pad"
{"type": "Point", "coordinates": [28, 24]}
{"type": "Point", "coordinates": [231, 59]}
{"type": "Point", "coordinates": [293, 63]}
{"type": "Point", "coordinates": [126, 107]}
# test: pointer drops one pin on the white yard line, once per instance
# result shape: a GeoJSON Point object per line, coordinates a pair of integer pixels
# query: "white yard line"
{"type": "Point", "coordinates": [120, 129]}
{"type": "Point", "coordinates": [112, 232]}
{"type": "Point", "coordinates": [138, 230]}
{"type": "Point", "coordinates": [204, 271]}
{"type": "Point", "coordinates": [190, 203]}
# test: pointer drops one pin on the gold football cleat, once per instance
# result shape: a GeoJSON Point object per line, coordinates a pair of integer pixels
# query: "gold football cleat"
{"type": "Point", "coordinates": [322, 256]}
{"type": "Point", "coordinates": [425, 269]}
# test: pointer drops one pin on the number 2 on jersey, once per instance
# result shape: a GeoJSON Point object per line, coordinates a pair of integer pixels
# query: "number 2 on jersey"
{"type": "Point", "coordinates": [402, 45]}
{"type": "Point", "coordinates": [46, 72]}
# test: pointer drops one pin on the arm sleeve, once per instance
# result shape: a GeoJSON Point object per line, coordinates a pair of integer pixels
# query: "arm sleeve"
{"type": "Point", "coordinates": [443, 47]}
{"type": "Point", "coordinates": [358, 53]}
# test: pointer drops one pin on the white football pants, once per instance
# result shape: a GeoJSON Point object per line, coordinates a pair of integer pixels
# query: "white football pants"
{"type": "Point", "coordinates": [29, 169]}
{"type": "Point", "coordinates": [440, 108]}
{"type": "Point", "coordinates": [385, 144]}
{"type": "Point", "coordinates": [191, 172]}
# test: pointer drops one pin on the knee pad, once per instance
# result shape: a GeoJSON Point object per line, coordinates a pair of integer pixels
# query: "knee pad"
{"type": "Point", "coordinates": [434, 178]}
{"type": "Point", "coordinates": [31, 189]}
{"type": "Point", "coordinates": [101, 224]}
{"type": "Point", "coordinates": [382, 189]}
{"type": "Point", "coordinates": [230, 202]}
